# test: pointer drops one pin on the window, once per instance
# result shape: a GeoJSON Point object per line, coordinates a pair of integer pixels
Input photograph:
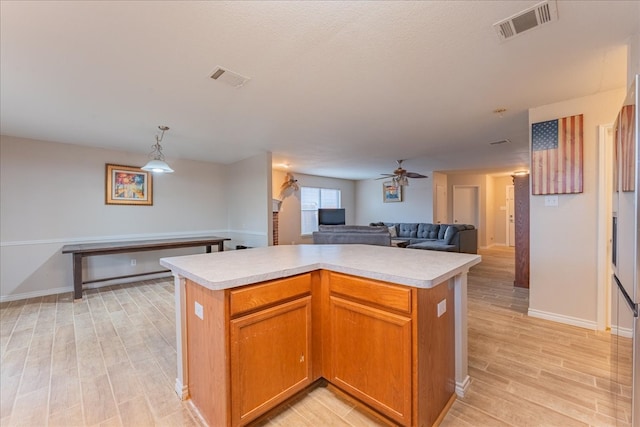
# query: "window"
{"type": "Point", "coordinates": [311, 199]}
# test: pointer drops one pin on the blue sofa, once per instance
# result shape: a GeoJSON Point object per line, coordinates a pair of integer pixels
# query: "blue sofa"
{"type": "Point", "coordinates": [437, 237]}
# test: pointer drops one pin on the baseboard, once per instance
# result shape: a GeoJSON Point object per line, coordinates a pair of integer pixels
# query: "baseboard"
{"type": "Point", "coordinates": [36, 294]}
{"type": "Point", "coordinates": [622, 332]}
{"type": "Point", "coordinates": [560, 318]}
{"type": "Point", "coordinates": [462, 387]}
{"type": "Point", "coordinates": [181, 390]}
{"type": "Point", "coordinates": [65, 289]}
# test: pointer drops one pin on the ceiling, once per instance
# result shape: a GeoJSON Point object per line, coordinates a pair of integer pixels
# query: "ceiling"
{"type": "Point", "coordinates": [339, 89]}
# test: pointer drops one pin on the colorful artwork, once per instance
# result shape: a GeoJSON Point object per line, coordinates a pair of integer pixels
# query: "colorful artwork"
{"type": "Point", "coordinates": [556, 156]}
{"type": "Point", "coordinates": [128, 185]}
{"type": "Point", "coordinates": [391, 192]}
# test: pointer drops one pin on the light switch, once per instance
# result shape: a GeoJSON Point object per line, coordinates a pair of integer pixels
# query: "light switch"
{"type": "Point", "coordinates": [199, 310]}
{"type": "Point", "coordinates": [551, 201]}
{"type": "Point", "coordinates": [442, 307]}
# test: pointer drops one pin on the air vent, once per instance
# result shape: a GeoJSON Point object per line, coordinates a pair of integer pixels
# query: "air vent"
{"type": "Point", "coordinates": [528, 19]}
{"type": "Point", "coordinates": [229, 77]}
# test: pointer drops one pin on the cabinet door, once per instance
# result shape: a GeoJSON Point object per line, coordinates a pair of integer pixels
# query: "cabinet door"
{"type": "Point", "coordinates": [270, 358]}
{"type": "Point", "coordinates": [371, 356]}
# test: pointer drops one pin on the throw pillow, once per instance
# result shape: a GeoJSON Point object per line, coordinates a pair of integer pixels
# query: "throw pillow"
{"type": "Point", "coordinates": [441, 231]}
{"type": "Point", "coordinates": [450, 234]}
{"type": "Point", "coordinates": [392, 231]}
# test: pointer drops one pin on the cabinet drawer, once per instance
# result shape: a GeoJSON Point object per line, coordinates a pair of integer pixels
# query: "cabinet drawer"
{"type": "Point", "coordinates": [379, 293]}
{"type": "Point", "coordinates": [251, 298]}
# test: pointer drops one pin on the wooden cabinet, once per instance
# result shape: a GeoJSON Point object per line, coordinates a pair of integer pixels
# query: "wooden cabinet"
{"type": "Point", "coordinates": [365, 339]}
{"type": "Point", "coordinates": [270, 358]}
{"type": "Point", "coordinates": [251, 348]}
{"type": "Point", "coordinates": [391, 347]}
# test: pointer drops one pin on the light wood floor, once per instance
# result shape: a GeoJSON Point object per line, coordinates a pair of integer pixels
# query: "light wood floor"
{"type": "Point", "coordinates": [110, 360]}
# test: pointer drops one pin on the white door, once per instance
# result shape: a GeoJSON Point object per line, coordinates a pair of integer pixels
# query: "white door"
{"type": "Point", "coordinates": [465, 205]}
{"type": "Point", "coordinates": [511, 223]}
{"type": "Point", "coordinates": [441, 205]}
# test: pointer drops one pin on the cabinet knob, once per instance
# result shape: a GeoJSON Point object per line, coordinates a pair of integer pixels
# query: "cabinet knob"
{"type": "Point", "coordinates": [302, 358]}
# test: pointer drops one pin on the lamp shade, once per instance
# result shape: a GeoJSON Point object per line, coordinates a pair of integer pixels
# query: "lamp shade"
{"type": "Point", "coordinates": [157, 166]}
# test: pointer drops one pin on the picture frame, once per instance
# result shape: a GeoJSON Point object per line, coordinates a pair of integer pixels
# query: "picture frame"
{"type": "Point", "coordinates": [128, 185]}
{"type": "Point", "coordinates": [391, 192]}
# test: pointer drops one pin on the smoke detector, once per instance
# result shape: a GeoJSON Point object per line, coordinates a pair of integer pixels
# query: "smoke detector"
{"type": "Point", "coordinates": [229, 77]}
{"type": "Point", "coordinates": [540, 14]}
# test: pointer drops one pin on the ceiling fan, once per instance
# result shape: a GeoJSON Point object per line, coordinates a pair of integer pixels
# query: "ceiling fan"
{"type": "Point", "coordinates": [400, 175]}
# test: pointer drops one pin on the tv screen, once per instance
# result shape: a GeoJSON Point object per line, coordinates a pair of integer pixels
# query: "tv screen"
{"type": "Point", "coordinates": [331, 216]}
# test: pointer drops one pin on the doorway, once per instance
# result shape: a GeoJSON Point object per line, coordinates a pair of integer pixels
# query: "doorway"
{"type": "Point", "coordinates": [466, 207]}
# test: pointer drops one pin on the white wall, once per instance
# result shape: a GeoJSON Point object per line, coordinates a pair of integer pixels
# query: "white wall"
{"type": "Point", "coordinates": [52, 194]}
{"type": "Point", "coordinates": [633, 55]}
{"type": "Point", "coordinates": [248, 197]}
{"type": "Point", "coordinates": [289, 216]}
{"type": "Point", "coordinates": [439, 179]}
{"type": "Point", "coordinates": [416, 205]}
{"type": "Point", "coordinates": [563, 280]}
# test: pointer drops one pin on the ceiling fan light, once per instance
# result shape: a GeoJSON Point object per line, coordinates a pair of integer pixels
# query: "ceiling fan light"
{"type": "Point", "coordinates": [157, 166]}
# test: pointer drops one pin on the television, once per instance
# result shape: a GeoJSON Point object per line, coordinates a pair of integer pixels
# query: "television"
{"type": "Point", "coordinates": [331, 216]}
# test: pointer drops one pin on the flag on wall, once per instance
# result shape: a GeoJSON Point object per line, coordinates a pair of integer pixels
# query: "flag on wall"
{"type": "Point", "coordinates": [627, 148]}
{"type": "Point", "coordinates": [556, 156]}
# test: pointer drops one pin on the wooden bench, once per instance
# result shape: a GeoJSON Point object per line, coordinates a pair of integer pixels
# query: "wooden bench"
{"type": "Point", "coordinates": [83, 250]}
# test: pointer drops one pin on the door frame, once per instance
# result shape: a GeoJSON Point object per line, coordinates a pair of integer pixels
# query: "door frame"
{"type": "Point", "coordinates": [605, 170]}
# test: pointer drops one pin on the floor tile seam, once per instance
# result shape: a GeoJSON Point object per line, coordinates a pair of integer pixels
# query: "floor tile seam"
{"type": "Point", "coordinates": [485, 413]}
{"type": "Point", "coordinates": [104, 364]}
{"type": "Point", "coordinates": [153, 324]}
{"type": "Point", "coordinates": [563, 396]}
{"type": "Point", "coordinates": [585, 387]}
{"type": "Point", "coordinates": [53, 342]}
{"type": "Point", "coordinates": [24, 363]}
{"type": "Point", "coordinates": [329, 409]}
{"type": "Point", "coordinates": [531, 402]}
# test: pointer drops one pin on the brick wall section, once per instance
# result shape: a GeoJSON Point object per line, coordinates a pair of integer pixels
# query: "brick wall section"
{"type": "Point", "coordinates": [275, 228]}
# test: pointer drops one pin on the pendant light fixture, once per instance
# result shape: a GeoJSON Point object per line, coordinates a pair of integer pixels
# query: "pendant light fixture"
{"type": "Point", "coordinates": [157, 163]}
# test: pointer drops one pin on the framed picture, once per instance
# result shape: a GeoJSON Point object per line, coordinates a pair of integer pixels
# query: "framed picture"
{"type": "Point", "coordinates": [128, 185]}
{"type": "Point", "coordinates": [391, 192]}
{"type": "Point", "coordinates": [556, 156]}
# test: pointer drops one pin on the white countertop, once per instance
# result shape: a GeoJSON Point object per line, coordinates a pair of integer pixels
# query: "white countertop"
{"type": "Point", "coordinates": [411, 267]}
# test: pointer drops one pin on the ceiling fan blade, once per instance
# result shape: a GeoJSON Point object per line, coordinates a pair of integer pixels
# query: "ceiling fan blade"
{"type": "Point", "coordinates": [415, 175]}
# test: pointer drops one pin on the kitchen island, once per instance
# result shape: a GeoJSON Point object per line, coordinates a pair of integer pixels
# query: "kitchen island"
{"type": "Point", "coordinates": [385, 325]}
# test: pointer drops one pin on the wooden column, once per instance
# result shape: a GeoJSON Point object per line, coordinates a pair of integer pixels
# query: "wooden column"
{"type": "Point", "coordinates": [521, 203]}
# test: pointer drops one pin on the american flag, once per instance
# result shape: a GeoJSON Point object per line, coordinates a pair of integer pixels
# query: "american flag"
{"type": "Point", "coordinates": [627, 148]}
{"type": "Point", "coordinates": [556, 156]}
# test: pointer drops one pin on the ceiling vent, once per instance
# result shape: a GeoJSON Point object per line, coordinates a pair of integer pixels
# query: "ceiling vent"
{"type": "Point", "coordinates": [540, 14]}
{"type": "Point", "coordinates": [229, 77]}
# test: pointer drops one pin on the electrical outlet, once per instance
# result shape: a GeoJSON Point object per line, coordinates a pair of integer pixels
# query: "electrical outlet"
{"type": "Point", "coordinates": [551, 201]}
{"type": "Point", "coordinates": [199, 310]}
{"type": "Point", "coordinates": [442, 307]}
{"type": "Point", "coordinates": [133, 262]}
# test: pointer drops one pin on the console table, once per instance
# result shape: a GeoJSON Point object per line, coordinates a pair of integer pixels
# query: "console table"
{"type": "Point", "coordinates": [83, 250]}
